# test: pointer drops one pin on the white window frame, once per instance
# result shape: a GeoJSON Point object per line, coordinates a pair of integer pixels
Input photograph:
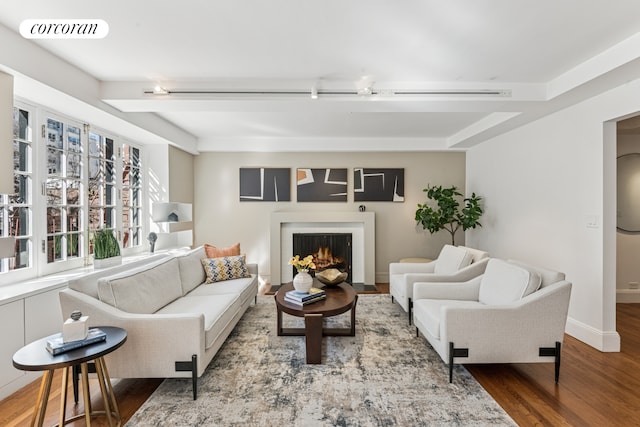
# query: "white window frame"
{"type": "Point", "coordinates": [40, 213]}
{"type": "Point", "coordinates": [39, 172]}
{"type": "Point", "coordinates": [28, 272]}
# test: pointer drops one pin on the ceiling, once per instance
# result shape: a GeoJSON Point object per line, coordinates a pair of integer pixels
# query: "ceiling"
{"type": "Point", "coordinates": [537, 56]}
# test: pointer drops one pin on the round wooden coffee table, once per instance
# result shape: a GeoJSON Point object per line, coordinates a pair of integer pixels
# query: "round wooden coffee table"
{"type": "Point", "coordinates": [340, 299]}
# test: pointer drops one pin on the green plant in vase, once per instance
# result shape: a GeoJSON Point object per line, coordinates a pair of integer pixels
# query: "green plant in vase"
{"type": "Point", "coordinates": [448, 214]}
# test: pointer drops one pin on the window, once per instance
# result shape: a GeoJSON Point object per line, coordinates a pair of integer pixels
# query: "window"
{"type": "Point", "coordinates": [63, 189]}
{"type": "Point", "coordinates": [16, 208]}
{"type": "Point", "coordinates": [69, 179]}
{"type": "Point", "coordinates": [131, 196]}
{"type": "Point", "coordinates": [102, 182]}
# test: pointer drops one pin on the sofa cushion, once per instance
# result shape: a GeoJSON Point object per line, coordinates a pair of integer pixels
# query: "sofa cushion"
{"type": "Point", "coordinates": [144, 290]}
{"type": "Point", "coordinates": [87, 283]}
{"type": "Point", "coordinates": [225, 268]}
{"type": "Point", "coordinates": [191, 270]}
{"type": "Point", "coordinates": [218, 310]}
{"type": "Point", "coordinates": [505, 283]}
{"type": "Point", "coordinates": [452, 259]}
{"type": "Point", "coordinates": [215, 252]}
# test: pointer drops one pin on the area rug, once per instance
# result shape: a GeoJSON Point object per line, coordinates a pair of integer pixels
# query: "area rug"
{"type": "Point", "coordinates": [384, 376]}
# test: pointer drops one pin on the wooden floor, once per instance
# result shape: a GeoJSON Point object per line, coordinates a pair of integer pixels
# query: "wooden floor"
{"type": "Point", "coordinates": [595, 389]}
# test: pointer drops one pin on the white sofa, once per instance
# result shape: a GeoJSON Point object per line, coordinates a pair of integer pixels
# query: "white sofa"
{"type": "Point", "coordinates": [513, 313]}
{"type": "Point", "coordinates": [175, 322]}
{"type": "Point", "coordinates": [454, 264]}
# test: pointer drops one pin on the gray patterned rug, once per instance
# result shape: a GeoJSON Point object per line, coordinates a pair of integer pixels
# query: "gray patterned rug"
{"type": "Point", "coordinates": [384, 376]}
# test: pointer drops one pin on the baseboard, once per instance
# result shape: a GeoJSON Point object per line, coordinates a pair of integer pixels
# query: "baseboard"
{"type": "Point", "coordinates": [382, 277]}
{"type": "Point", "coordinates": [18, 383]}
{"type": "Point", "coordinates": [628, 296]}
{"type": "Point", "coordinates": [605, 341]}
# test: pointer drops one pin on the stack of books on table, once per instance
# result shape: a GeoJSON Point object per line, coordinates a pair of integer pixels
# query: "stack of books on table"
{"type": "Point", "coordinates": [304, 298]}
{"type": "Point", "coordinates": [56, 345]}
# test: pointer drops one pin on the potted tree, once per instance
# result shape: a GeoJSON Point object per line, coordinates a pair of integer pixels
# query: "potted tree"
{"type": "Point", "coordinates": [106, 250]}
{"type": "Point", "coordinates": [448, 214]}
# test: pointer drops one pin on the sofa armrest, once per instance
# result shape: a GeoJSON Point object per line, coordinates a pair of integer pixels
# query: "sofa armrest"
{"type": "Point", "coordinates": [468, 290]}
{"type": "Point", "coordinates": [509, 333]}
{"type": "Point", "coordinates": [411, 267]}
{"type": "Point", "coordinates": [253, 268]}
{"type": "Point", "coordinates": [161, 339]}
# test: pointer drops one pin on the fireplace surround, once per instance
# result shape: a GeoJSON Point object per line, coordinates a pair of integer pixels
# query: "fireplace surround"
{"type": "Point", "coordinates": [361, 226]}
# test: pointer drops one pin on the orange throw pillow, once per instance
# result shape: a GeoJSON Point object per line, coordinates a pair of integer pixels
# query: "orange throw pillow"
{"type": "Point", "coordinates": [213, 252]}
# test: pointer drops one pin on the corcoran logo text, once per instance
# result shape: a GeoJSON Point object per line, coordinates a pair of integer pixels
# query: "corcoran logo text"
{"type": "Point", "coordinates": [64, 29]}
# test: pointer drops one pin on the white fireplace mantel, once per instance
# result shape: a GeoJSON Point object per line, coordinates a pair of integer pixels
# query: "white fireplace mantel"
{"type": "Point", "coordinates": [361, 222]}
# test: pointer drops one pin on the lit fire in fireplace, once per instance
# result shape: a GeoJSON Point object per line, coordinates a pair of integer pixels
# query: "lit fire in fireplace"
{"type": "Point", "coordinates": [323, 258]}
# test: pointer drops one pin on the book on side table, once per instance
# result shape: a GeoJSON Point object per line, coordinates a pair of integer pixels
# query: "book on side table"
{"type": "Point", "coordinates": [304, 298]}
{"type": "Point", "coordinates": [55, 344]}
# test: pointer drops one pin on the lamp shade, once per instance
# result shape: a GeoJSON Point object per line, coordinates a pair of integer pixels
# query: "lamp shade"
{"type": "Point", "coordinates": [7, 247]}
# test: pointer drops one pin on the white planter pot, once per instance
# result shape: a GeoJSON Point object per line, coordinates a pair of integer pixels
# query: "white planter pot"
{"type": "Point", "coordinates": [107, 262]}
{"type": "Point", "coordinates": [302, 281]}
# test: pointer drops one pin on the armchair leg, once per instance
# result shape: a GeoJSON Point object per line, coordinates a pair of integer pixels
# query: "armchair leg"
{"type": "Point", "coordinates": [392, 300]}
{"type": "Point", "coordinates": [557, 370]}
{"type": "Point", "coordinates": [455, 352]}
{"type": "Point", "coordinates": [193, 367]}
{"type": "Point", "coordinates": [555, 352]}
{"type": "Point", "coordinates": [410, 305]}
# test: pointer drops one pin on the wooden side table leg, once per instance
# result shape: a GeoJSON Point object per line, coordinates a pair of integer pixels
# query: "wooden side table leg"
{"type": "Point", "coordinates": [102, 381]}
{"type": "Point", "coordinates": [313, 336]}
{"type": "Point", "coordinates": [85, 393]}
{"type": "Point", "coordinates": [112, 395]}
{"type": "Point", "coordinates": [43, 398]}
{"type": "Point", "coordinates": [63, 395]}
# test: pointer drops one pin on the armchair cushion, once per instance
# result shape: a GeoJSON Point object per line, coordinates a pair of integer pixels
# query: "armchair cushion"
{"type": "Point", "coordinates": [504, 283]}
{"type": "Point", "coordinates": [428, 312]}
{"type": "Point", "coordinates": [452, 259]}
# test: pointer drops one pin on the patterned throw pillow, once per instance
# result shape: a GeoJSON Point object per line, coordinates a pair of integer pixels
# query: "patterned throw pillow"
{"type": "Point", "coordinates": [225, 268]}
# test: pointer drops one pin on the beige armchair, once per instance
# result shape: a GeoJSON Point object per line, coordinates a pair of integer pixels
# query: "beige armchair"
{"type": "Point", "coordinates": [454, 264]}
{"type": "Point", "coordinates": [513, 313]}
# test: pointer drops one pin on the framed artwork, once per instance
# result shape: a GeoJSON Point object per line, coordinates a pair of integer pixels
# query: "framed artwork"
{"type": "Point", "coordinates": [378, 185]}
{"type": "Point", "coordinates": [265, 184]}
{"type": "Point", "coordinates": [321, 185]}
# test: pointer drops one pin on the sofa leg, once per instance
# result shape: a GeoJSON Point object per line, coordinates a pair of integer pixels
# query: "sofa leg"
{"type": "Point", "coordinates": [455, 352]}
{"type": "Point", "coordinates": [193, 367]}
{"type": "Point", "coordinates": [392, 300]}
{"type": "Point", "coordinates": [410, 305]}
{"type": "Point", "coordinates": [555, 352]}
{"type": "Point", "coordinates": [417, 332]}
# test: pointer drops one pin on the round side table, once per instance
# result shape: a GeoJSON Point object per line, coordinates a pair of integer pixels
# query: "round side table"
{"type": "Point", "coordinates": [35, 357]}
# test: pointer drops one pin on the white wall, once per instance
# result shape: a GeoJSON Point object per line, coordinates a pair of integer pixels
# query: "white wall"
{"type": "Point", "coordinates": [543, 183]}
{"type": "Point", "coordinates": [220, 219]}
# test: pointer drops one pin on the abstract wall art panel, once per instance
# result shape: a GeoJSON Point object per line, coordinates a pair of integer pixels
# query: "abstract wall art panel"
{"type": "Point", "coordinates": [322, 185]}
{"type": "Point", "coordinates": [378, 185]}
{"type": "Point", "coordinates": [265, 184]}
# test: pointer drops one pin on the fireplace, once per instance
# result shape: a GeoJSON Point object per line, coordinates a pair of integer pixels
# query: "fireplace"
{"type": "Point", "coordinates": [329, 250]}
{"type": "Point", "coordinates": [361, 225]}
